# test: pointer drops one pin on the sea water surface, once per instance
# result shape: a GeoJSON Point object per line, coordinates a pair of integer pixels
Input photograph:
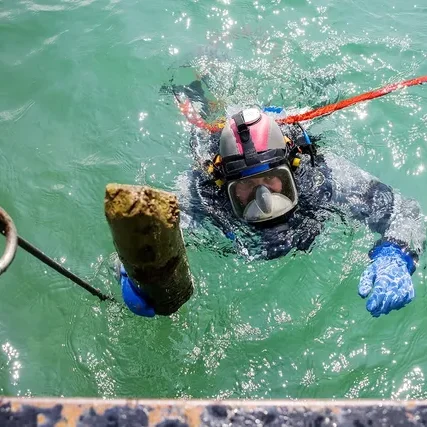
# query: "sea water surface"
{"type": "Point", "coordinates": [82, 105]}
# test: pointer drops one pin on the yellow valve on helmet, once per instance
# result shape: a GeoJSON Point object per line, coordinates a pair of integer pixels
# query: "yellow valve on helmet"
{"type": "Point", "coordinates": [217, 160]}
{"type": "Point", "coordinates": [296, 162]}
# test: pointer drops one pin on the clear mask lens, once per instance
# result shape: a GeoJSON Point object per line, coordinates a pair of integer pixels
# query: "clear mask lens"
{"type": "Point", "coordinates": [264, 196]}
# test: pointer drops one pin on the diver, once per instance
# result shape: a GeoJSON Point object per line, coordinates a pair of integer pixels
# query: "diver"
{"type": "Point", "coordinates": [270, 191]}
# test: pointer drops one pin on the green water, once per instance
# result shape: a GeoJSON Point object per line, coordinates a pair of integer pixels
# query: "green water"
{"type": "Point", "coordinates": [81, 106]}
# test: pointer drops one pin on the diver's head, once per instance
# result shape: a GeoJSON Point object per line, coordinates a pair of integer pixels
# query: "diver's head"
{"type": "Point", "coordinates": [255, 166]}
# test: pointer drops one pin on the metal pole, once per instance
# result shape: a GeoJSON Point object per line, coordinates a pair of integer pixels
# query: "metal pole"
{"type": "Point", "coordinates": [8, 229]}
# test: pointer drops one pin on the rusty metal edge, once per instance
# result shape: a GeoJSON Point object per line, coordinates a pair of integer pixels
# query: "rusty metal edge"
{"type": "Point", "coordinates": [62, 412]}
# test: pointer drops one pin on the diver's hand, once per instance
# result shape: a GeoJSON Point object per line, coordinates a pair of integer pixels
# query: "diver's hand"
{"type": "Point", "coordinates": [134, 298]}
{"type": "Point", "coordinates": [390, 277]}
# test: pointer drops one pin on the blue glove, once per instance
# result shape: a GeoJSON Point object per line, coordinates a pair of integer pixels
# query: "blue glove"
{"type": "Point", "coordinates": [390, 277]}
{"type": "Point", "coordinates": [134, 298]}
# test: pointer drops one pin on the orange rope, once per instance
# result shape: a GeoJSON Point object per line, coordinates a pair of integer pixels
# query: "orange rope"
{"type": "Point", "coordinates": [328, 109]}
{"type": "Point", "coordinates": [196, 119]}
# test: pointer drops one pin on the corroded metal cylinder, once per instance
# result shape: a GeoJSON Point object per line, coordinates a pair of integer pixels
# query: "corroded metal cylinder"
{"type": "Point", "coordinates": [144, 223]}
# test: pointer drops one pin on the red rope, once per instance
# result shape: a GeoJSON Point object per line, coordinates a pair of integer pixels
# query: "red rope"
{"type": "Point", "coordinates": [194, 118]}
{"type": "Point", "coordinates": [328, 109]}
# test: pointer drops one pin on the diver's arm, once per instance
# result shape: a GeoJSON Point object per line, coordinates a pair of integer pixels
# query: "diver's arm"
{"type": "Point", "coordinates": [401, 224]}
{"type": "Point", "coordinates": [362, 196]}
{"type": "Point", "coordinates": [407, 225]}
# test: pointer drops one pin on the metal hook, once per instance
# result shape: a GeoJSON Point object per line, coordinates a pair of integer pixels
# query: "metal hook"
{"type": "Point", "coordinates": [7, 227]}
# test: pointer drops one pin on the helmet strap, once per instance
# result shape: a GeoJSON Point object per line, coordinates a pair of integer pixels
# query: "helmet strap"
{"type": "Point", "coordinates": [249, 152]}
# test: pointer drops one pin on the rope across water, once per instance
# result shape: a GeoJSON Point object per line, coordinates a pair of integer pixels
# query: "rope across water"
{"type": "Point", "coordinates": [196, 119]}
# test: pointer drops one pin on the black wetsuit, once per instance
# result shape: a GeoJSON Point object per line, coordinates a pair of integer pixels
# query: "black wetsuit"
{"type": "Point", "coordinates": [333, 185]}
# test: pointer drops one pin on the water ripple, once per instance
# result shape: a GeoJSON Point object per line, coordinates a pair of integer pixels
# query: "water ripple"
{"type": "Point", "coordinates": [33, 6]}
{"type": "Point", "coordinates": [16, 114]}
